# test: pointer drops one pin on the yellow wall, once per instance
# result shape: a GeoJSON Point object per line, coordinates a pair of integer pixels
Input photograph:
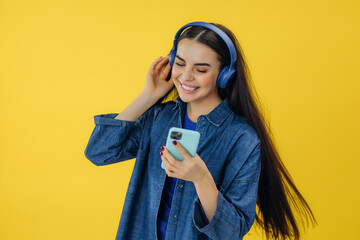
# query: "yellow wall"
{"type": "Point", "coordinates": [62, 62]}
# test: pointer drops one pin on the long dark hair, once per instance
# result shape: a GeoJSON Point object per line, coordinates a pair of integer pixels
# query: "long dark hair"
{"type": "Point", "coordinates": [278, 196]}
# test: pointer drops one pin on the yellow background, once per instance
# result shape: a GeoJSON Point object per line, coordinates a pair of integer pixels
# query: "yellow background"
{"type": "Point", "coordinates": [62, 62]}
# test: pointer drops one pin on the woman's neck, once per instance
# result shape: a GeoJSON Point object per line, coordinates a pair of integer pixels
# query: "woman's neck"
{"type": "Point", "coordinates": [195, 109]}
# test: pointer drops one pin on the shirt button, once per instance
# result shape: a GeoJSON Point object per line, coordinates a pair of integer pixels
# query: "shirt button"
{"type": "Point", "coordinates": [175, 216]}
{"type": "Point", "coordinates": [181, 185]}
{"type": "Point", "coordinates": [202, 118]}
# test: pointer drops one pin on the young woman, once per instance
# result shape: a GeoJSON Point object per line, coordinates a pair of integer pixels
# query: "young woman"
{"type": "Point", "coordinates": [236, 168]}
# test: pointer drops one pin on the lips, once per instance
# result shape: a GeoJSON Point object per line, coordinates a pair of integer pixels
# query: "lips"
{"type": "Point", "coordinates": [188, 89]}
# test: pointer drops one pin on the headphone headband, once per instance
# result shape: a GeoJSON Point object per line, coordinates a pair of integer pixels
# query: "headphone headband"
{"type": "Point", "coordinates": [228, 71]}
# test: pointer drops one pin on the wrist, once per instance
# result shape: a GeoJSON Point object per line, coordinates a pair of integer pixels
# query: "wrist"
{"type": "Point", "coordinates": [205, 179]}
{"type": "Point", "coordinates": [148, 97]}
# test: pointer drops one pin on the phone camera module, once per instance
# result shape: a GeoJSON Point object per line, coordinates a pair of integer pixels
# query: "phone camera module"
{"type": "Point", "coordinates": [176, 135]}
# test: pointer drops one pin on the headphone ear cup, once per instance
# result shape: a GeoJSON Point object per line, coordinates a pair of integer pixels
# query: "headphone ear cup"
{"type": "Point", "coordinates": [224, 76]}
{"type": "Point", "coordinates": [230, 74]}
{"type": "Point", "coordinates": [172, 56]}
{"type": "Point", "coordinates": [221, 79]}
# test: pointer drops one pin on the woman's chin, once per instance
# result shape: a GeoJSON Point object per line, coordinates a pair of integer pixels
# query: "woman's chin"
{"type": "Point", "coordinates": [186, 98]}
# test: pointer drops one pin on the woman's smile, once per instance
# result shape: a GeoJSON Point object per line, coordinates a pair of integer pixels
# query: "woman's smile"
{"type": "Point", "coordinates": [188, 89]}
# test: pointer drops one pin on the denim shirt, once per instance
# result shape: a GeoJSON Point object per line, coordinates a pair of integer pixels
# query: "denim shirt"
{"type": "Point", "coordinates": [228, 145]}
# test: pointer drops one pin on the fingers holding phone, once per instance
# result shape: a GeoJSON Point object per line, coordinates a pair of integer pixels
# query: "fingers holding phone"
{"type": "Point", "coordinates": [179, 157]}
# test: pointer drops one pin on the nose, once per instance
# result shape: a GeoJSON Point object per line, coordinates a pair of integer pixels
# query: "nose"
{"type": "Point", "coordinates": [186, 74]}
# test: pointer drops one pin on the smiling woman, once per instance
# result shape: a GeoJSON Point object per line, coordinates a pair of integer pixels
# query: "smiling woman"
{"type": "Point", "coordinates": [214, 194]}
{"type": "Point", "coordinates": [194, 75]}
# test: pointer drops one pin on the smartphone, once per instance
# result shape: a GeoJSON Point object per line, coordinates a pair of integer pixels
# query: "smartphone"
{"type": "Point", "coordinates": [189, 139]}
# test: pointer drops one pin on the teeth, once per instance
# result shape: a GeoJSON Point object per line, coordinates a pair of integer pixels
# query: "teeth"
{"type": "Point", "coordinates": [188, 88]}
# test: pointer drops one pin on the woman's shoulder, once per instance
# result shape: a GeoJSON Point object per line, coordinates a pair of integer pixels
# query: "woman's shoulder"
{"type": "Point", "coordinates": [235, 125]}
{"type": "Point", "coordinates": [159, 106]}
{"type": "Point", "coordinates": [160, 110]}
{"type": "Point", "coordinates": [166, 106]}
{"type": "Point", "coordinates": [240, 127]}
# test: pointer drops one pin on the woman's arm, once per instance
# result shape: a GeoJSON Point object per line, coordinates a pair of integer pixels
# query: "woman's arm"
{"type": "Point", "coordinates": [208, 194]}
{"type": "Point", "coordinates": [235, 208]}
{"type": "Point", "coordinates": [116, 137]}
{"type": "Point", "coordinates": [156, 86]}
{"type": "Point", "coordinates": [137, 108]}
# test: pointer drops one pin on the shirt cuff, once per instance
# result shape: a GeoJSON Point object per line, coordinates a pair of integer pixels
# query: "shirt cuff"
{"type": "Point", "coordinates": [202, 223]}
{"type": "Point", "coordinates": [109, 119]}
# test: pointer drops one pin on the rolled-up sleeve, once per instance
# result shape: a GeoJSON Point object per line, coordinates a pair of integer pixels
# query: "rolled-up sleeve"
{"type": "Point", "coordinates": [235, 210]}
{"type": "Point", "coordinates": [113, 140]}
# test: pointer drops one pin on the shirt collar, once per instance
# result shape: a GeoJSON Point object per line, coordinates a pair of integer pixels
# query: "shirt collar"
{"type": "Point", "coordinates": [216, 116]}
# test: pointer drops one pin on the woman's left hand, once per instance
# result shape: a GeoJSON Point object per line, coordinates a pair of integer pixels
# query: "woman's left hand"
{"type": "Point", "coordinates": [191, 168]}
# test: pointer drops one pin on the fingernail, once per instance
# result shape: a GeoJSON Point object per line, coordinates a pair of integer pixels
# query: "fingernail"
{"type": "Point", "coordinates": [161, 153]}
{"type": "Point", "coordinates": [162, 148]}
{"type": "Point", "coordinates": [174, 142]}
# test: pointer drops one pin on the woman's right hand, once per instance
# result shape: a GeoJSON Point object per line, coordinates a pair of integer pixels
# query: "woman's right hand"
{"type": "Point", "coordinates": [156, 84]}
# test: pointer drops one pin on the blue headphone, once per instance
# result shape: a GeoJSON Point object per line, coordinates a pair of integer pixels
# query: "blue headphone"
{"type": "Point", "coordinates": [226, 72]}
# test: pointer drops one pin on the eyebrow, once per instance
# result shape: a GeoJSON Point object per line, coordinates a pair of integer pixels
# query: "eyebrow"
{"type": "Point", "coordinates": [196, 64]}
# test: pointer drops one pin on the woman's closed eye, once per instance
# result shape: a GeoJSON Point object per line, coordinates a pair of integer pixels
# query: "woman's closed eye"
{"type": "Point", "coordinates": [181, 65]}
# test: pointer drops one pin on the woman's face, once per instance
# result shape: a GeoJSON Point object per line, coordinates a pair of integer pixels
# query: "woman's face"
{"type": "Point", "coordinates": [195, 71]}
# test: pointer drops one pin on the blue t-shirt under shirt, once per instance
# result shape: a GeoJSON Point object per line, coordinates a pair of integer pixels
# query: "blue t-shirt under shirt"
{"type": "Point", "coordinates": [168, 190]}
